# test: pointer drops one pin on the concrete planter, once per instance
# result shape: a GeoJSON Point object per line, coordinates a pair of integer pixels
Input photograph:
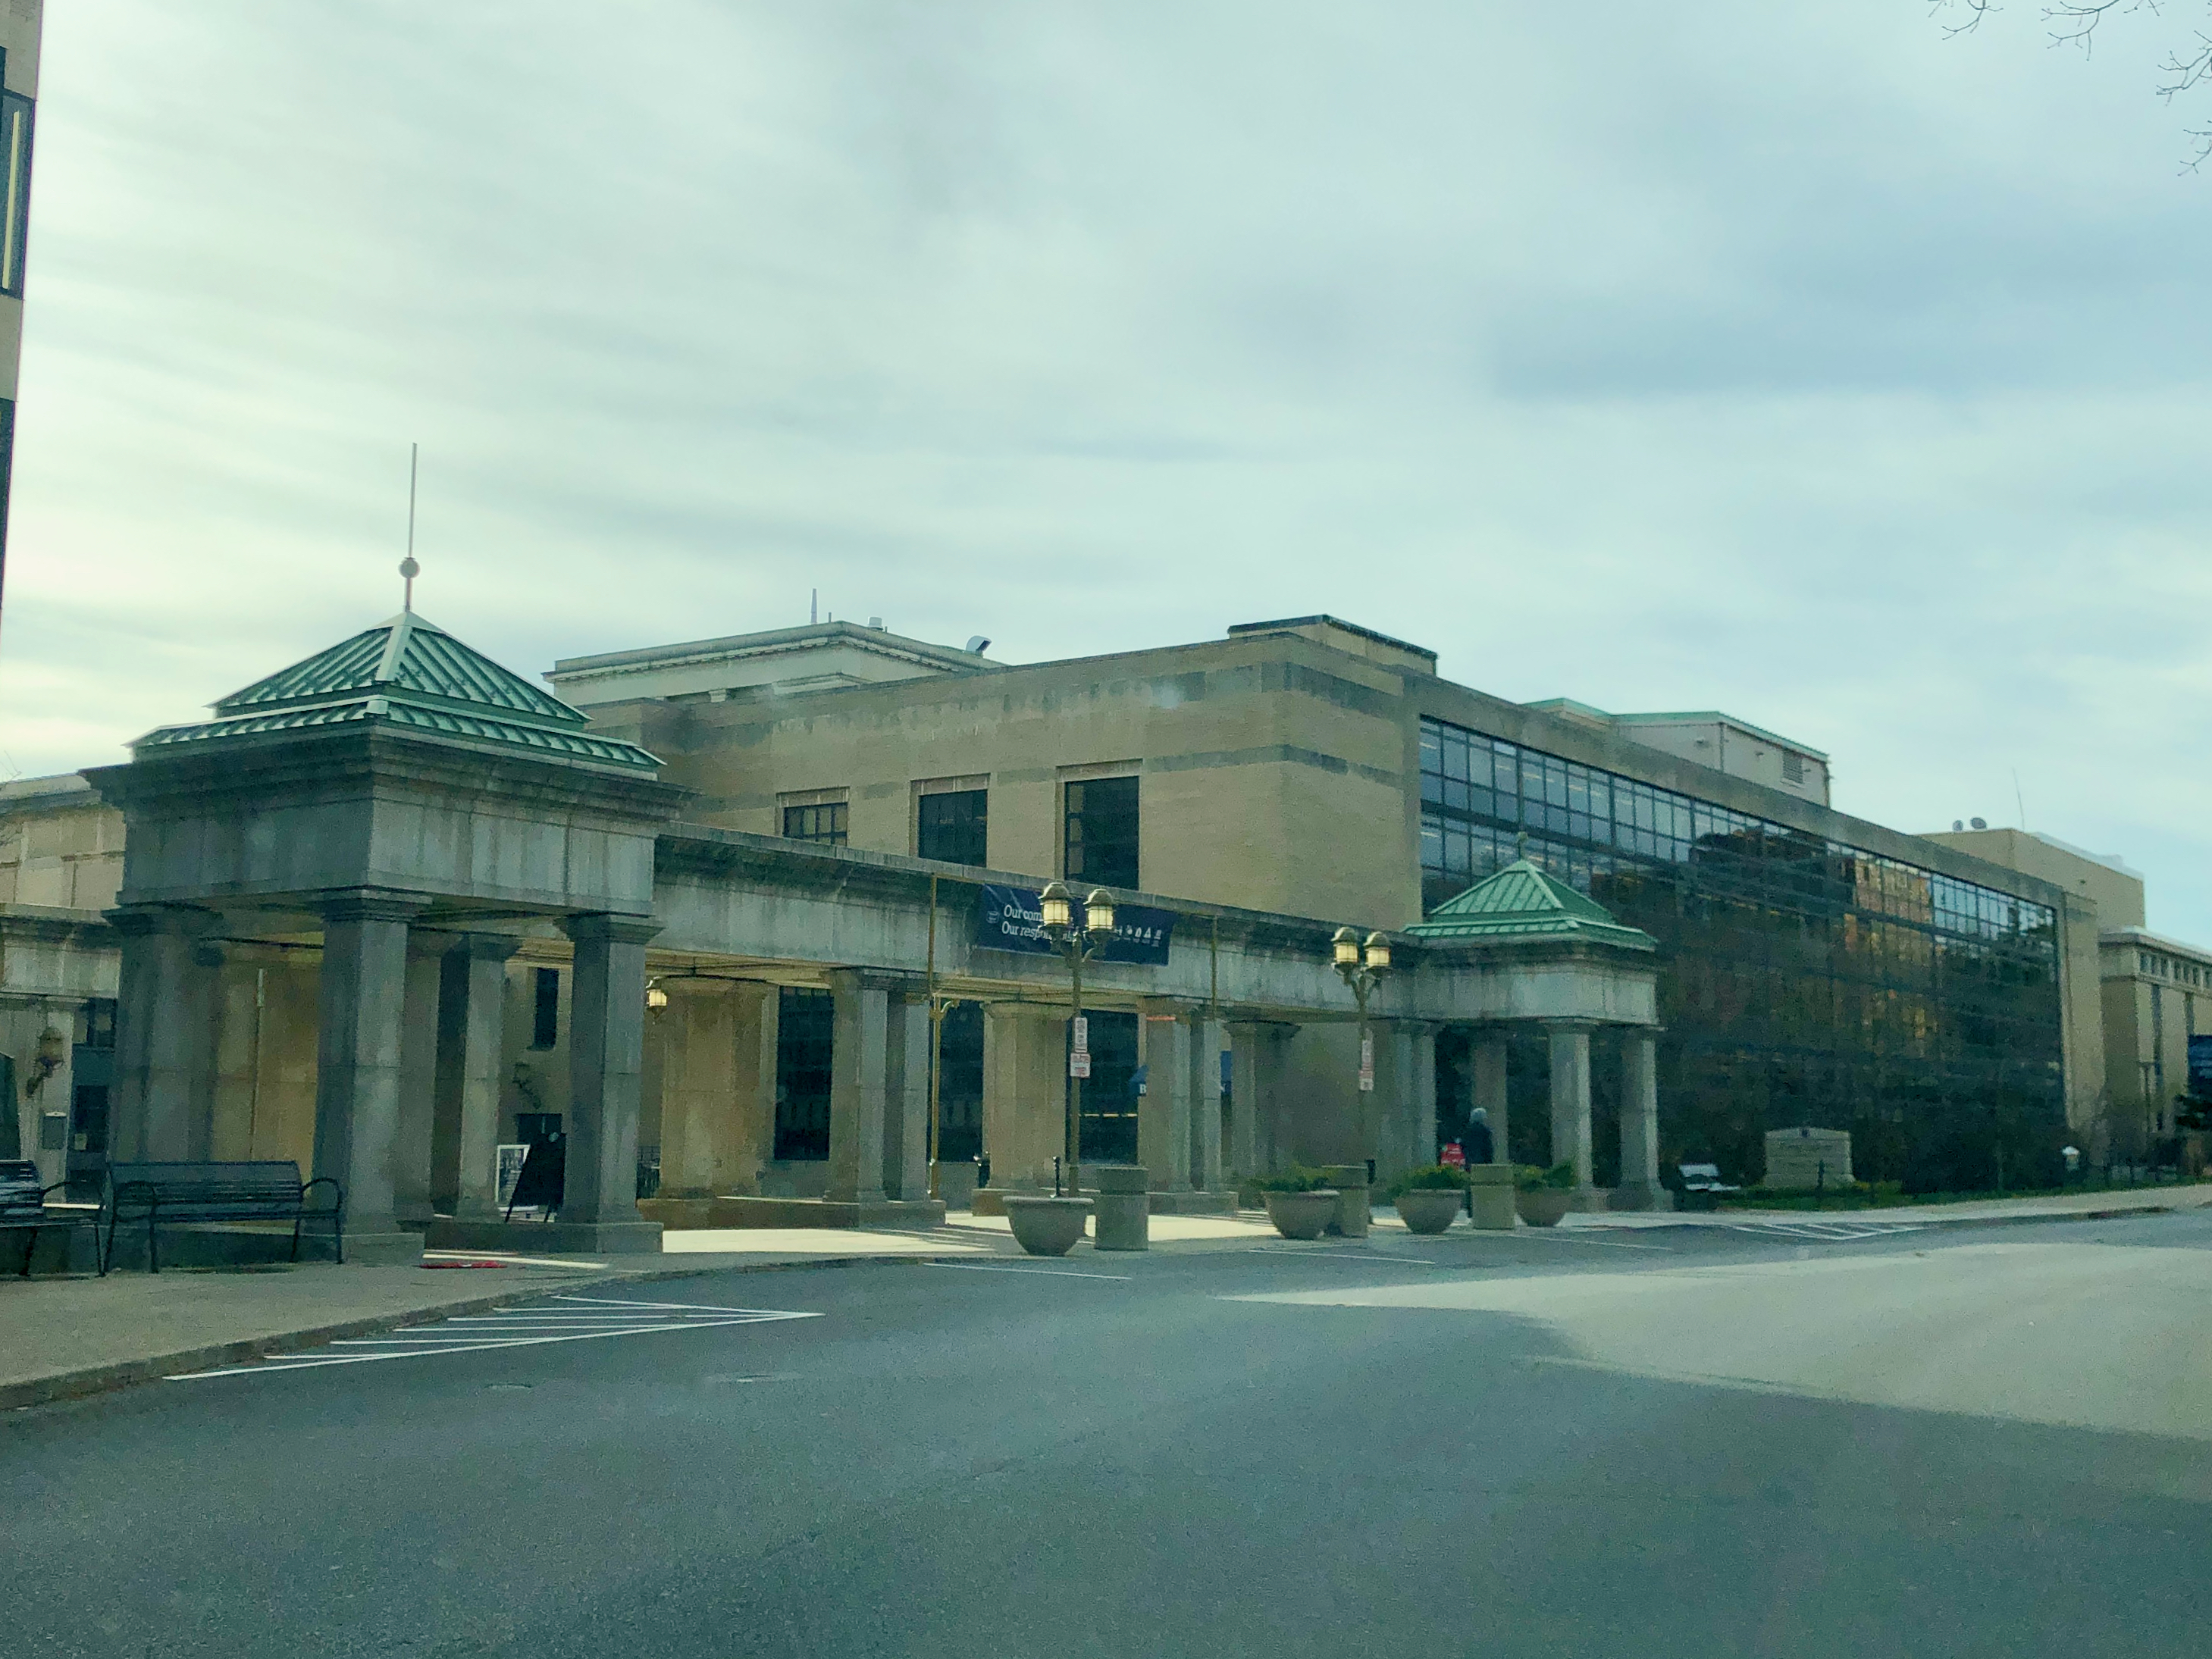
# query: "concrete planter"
{"type": "Point", "coordinates": [1544, 1208]}
{"type": "Point", "coordinates": [1490, 1197]}
{"type": "Point", "coordinates": [1429, 1209]}
{"type": "Point", "coordinates": [1302, 1215]}
{"type": "Point", "coordinates": [1047, 1227]}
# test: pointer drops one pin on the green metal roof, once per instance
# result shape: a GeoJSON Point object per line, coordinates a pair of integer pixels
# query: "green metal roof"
{"type": "Point", "coordinates": [409, 672]}
{"type": "Point", "coordinates": [1521, 903]}
{"type": "Point", "coordinates": [408, 653]}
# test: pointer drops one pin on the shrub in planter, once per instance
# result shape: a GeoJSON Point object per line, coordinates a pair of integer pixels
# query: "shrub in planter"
{"type": "Point", "coordinates": [1300, 1202]}
{"type": "Point", "coordinates": [1429, 1200]}
{"type": "Point", "coordinates": [1542, 1196]}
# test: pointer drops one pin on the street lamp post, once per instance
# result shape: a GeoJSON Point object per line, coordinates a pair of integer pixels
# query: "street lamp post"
{"type": "Point", "coordinates": [1362, 968]}
{"type": "Point", "coordinates": [1077, 942]}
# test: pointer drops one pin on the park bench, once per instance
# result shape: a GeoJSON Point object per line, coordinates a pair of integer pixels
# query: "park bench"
{"type": "Point", "coordinates": [173, 1194]}
{"type": "Point", "coordinates": [1702, 1185]}
{"type": "Point", "coordinates": [23, 1206]}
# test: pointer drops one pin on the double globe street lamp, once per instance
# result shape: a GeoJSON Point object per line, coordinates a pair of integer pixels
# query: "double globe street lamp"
{"type": "Point", "coordinates": [1362, 967]}
{"type": "Point", "coordinates": [1077, 942]}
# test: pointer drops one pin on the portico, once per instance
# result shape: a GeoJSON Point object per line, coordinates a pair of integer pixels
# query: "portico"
{"type": "Point", "coordinates": [393, 905]}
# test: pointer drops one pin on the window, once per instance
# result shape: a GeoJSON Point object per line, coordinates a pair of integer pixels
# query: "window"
{"type": "Point", "coordinates": [824, 822]}
{"type": "Point", "coordinates": [99, 1023]}
{"type": "Point", "coordinates": [805, 1026]}
{"type": "Point", "coordinates": [960, 1084]}
{"type": "Point", "coordinates": [545, 1012]}
{"type": "Point", "coordinates": [1100, 843]}
{"type": "Point", "coordinates": [14, 189]}
{"type": "Point", "coordinates": [953, 827]}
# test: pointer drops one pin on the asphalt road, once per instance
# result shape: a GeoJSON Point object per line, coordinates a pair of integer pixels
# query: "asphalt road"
{"type": "Point", "coordinates": [1949, 1441]}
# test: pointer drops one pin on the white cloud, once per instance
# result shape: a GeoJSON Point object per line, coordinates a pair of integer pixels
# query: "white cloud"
{"type": "Point", "coordinates": [1800, 362]}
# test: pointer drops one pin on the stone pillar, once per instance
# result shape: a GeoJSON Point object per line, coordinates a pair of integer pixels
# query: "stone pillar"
{"type": "Point", "coordinates": [906, 1135]}
{"type": "Point", "coordinates": [1405, 1097]}
{"type": "Point", "coordinates": [163, 1095]}
{"type": "Point", "coordinates": [419, 1054]}
{"type": "Point", "coordinates": [357, 1064]}
{"type": "Point", "coordinates": [472, 1049]}
{"type": "Point", "coordinates": [1570, 1101]}
{"type": "Point", "coordinates": [857, 1076]}
{"type": "Point", "coordinates": [1247, 1043]}
{"type": "Point", "coordinates": [1639, 1188]}
{"type": "Point", "coordinates": [1485, 1068]}
{"type": "Point", "coordinates": [606, 1052]}
{"type": "Point", "coordinates": [1211, 1038]}
{"type": "Point", "coordinates": [1023, 1120]}
{"type": "Point", "coordinates": [1164, 1115]}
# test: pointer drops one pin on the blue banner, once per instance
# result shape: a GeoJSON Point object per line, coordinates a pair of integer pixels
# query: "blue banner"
{"type": "Point", "coordinates": [1013, 918]}
{"type": "Point", "coordinates": [2200, 1067]}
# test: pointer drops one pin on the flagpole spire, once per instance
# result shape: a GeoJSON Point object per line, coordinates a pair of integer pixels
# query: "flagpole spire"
{"type": "Point", "coordinates": [407, 568]}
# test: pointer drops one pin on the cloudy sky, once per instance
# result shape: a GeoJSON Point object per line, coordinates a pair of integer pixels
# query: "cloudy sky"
{"type": "Point", "coordinates": [1796, 360]}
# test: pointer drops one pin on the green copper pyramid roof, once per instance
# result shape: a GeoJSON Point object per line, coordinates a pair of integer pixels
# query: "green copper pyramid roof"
{"type": "Point", "coordinates": [409, 672]}
{"type": "Point", "coordinates": [1521, 903]}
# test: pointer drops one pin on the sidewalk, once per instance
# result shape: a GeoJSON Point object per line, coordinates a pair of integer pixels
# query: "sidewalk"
{"type": "Point", "coordinates": [60, 1338]}
{"type": "Point", "coordinates": [2136, 1200]}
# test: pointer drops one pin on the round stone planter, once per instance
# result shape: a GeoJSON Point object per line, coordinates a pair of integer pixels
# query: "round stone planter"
{"type": "Point", "coordinates": [1429, 1209]}
{"type": "Point", "coordinates": [1047, 1227]}
{"type": "Point", "coordinates": [1302, 1215]}
{"type": "Point", "coordinates": [1543, 1208]}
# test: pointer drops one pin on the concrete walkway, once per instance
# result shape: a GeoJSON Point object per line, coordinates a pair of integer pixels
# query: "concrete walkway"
{"type": "Point", "coordinates": [2125, 1201]}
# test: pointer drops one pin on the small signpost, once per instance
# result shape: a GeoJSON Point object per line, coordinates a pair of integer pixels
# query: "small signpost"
{"type": "Point", "coordinates": [1078, 1054]}
{"type": "Point", "coordinates": [1366, 1063]}
{"type": "Point", "coordinates": [1454, 1156]}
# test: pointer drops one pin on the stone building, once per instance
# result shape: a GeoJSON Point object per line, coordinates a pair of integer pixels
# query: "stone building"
{"type": "Point", "coordinates": [713, 910]}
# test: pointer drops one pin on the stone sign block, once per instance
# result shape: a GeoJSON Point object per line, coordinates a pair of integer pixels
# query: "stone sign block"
{"type": "Point", "coordinates": [1804, 1159]}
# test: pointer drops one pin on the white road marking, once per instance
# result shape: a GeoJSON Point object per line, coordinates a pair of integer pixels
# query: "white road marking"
{"type": "Point", "coordinates": [1354, 1258]}
{"type": "Point", "coordinates": [592, 1319]}
{"type": "Point", "coordinates": [1826, 1231]}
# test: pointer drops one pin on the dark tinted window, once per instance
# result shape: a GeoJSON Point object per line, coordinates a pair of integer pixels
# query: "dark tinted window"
{"type": "Point", "coordinates": [545, 1013]}
{"type": "Point", "coordinates": [804, 1028]}
{"type": "Point", "coordinates": [953, 827]}
{"type": "Point", "coordinates": [1102, 832]}
{"type": "Point", "coordinates": [824, 822]}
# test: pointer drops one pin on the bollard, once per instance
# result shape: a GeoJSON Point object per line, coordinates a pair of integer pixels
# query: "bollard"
{"type": "Point", "coordinates": [1350, 1181]}
{"type": "Point", "coordinates": [1122, 1216]}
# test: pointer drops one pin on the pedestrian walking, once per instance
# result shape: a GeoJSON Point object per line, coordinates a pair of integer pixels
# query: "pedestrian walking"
{"type": "Point", "coordinates": [1482, 1147]}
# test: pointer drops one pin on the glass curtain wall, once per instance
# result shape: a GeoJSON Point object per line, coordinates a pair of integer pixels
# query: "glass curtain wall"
{"type": "Point", "coordinates": [1803, 982]}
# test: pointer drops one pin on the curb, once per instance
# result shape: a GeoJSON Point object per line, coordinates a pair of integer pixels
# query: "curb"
{"type": "Point", "coordinates": [126, 1373]}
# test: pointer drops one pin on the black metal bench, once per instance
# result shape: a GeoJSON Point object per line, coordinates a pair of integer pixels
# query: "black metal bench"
{"type": "Point", "coordinates": [23, 1206]}
{"type": "Point", "coordinates": [1701, 1186]}
{"type": "Point", "coordinates": [178, 1193]}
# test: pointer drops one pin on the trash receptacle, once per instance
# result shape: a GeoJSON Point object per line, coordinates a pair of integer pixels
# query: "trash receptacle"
{"type": "Point", "coordinates": [1121, 1216]}
{"type": "Point", "coordinates": [1350, 1181]}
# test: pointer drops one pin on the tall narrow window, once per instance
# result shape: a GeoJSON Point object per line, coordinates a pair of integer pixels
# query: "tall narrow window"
{"type": "Point", "coordinates": [1102, 831]}
{"type": "Point", "coordinates": [953, 827]}
{"type": "Point", "coordinates": [546, 1015]}
{"type": "Point", "coordinates": [14, 189]}
{"type": "Point", "coordinates": [824, 822]}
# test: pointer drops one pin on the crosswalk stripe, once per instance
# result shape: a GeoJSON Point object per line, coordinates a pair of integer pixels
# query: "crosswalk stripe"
{"type": "Point", "coordinates": [589, 1319]}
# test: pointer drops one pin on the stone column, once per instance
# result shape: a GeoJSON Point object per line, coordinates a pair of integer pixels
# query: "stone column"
{"type": "Point", "coordinates": [1406, 1096]}
{"type": "Point", "coordinates": [1639, 1186]}
{"type": "Point", "coordinates": [906, 1135]}
{"type": "Point", "coordinates": [857, 1067]}
{"type": "Point", "coordinates": [357, 1064]}
{"type": "Point", "coordinates": [1247, 1043]}
{"type": "Point", "coordinates": [1571, 1101]}
{"type": "Point", "coordinates": [413, 1181]}
{"type": "Point", "coordinates": [472, 1049]}
{"type": "Point", "coordinates": [1164, 1115]}
{"type": "Point", "coordinates": [1212, 1037]}
{"type": "Point", "coordinates": [1023, 1120]}
{"type": "Point", "coordinates": [1486, 1087]}
{"type": "Point", "coordinates": [163, 1095]}
{"type": "Point", "coordinates": [606, 1052]}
